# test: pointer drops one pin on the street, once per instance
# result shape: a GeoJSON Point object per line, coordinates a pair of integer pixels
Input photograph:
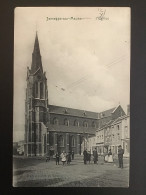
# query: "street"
{"type": "Point", "coordinates": [36, 172]}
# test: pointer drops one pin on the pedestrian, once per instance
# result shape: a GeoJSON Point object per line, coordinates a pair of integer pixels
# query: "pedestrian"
{"type": "Point", "coordinates": [105, 156]}
{"type": "Point", "coordinates": [57, 158]}
{"type": "Point", "coordinates": [47, 158]}
{"type": "Point", "coordinates": [95, 156]}
{"type": "Point", "coordinates": [120, 156]}
{"type": "Point", "coordinates": [89, 156]}
{"type": "Point", "coordinates": [72, 155]}
{"type": "Point", "coordinates": [85, 156]}
{"type": "Point", "coordinates": [68, 158]}
{"type": "Point", "coordinates": [110, 157]}
{"type": "Point", "coordinates": [63, 156]}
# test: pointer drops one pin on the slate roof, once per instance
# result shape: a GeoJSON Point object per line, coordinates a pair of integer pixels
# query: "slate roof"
{"type": "Point", "coordinates": [119, 119]}
{"type": "Point", "coordinates": [72, 112]}
{"type": "Point", "coordinates": [36, 57]}
{"type": "Point", "coordinates": [71, 129]}
{"type": "Point", "coordinates": [112, 122]}
{"type": "Point", "coordinates": [107, 113]}
{"type": "Point", "coordinates": [107, 124]}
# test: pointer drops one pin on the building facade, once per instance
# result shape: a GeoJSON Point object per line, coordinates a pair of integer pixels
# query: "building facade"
{"type": "Point", "coordinates": [125, 135]}
{"type": "Point", "coordinates": [114, 133]}
{"type": "Point", "coordinates": [51, 128]}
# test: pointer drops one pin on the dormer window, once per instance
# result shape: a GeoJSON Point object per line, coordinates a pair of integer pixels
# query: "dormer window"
{"type": "Point", "coordinates": [84, 113]}
{"type": "Point", "coordinates": [66, 111]}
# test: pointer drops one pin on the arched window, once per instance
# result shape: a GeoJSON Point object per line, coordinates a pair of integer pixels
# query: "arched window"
{"type": "Point", "coordinates": [36, 89]}
{"type": "Point", "coordinates": [76, 123]}
{"type": "Point", "coordinates": [73, 141]}
{"type": "Point", "coordinates": [85, 124]}
{"type": "Point", "coordinates": [93, 124]}
{"type": "Point", "coordinates": [41, 90]}
{"type": "Point", "coordinates": [55, 121]}
{"type": "Point", "coordinates": [66, 122]}
{"type": "Point", "coordinates": [61, 140]}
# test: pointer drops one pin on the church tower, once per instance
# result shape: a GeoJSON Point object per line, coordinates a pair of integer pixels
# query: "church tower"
{"type": "Point", "coordinates": [36, 106]}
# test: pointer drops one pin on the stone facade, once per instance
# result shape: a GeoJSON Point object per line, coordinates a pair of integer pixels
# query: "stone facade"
{"type": "Point", "coordinates": [50, 128]}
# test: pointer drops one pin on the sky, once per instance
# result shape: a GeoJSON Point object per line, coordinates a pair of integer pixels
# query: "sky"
{"type": "Point", "coordinates": [87, 61]}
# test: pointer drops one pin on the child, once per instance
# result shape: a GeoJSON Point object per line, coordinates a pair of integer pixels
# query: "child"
{"type": "Point", "coordinates": [63, 156]}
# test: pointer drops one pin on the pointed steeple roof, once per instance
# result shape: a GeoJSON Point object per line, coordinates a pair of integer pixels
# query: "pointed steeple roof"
{"type": "Point", "coordinates": [36, 45]}
{"type": "Point", "coordinates": [36, 57]}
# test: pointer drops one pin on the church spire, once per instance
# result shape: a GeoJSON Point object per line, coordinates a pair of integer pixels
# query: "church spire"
{"type": "Point", "coordinates": [36, 45]}
{"type": "Point", "coordinates": [36, 57]}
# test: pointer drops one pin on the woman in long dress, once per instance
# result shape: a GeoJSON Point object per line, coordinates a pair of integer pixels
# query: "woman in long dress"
{"type": "Point", "coordinates": [110, 157]}
{"type": "Point", "coordinates": [63, 156]}
{"type": "Point", "coordinates": [105, 157]}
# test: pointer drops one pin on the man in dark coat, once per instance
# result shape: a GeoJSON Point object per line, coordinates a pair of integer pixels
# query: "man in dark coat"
{"type": "Point", "coordinates": [120, 156]}
{"type": "Point", "coordinates": [95, 156]}
{"type": "Point", "coordinates": [85, 156]}
{"type": "Point", "coordinates": [72, 155]}
{"type": "Point", "coordinates": [57, 158]}
{"type": "Point", "coordinates": [68, 157]}
{"type": "Point", "coordinates": [89, 156]}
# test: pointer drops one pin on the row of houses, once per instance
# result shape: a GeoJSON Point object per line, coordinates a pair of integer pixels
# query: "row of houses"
{"type": "Point", "coordinates": [112, 134]}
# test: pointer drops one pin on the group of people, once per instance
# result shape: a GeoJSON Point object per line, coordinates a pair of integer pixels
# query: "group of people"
{"type": "Point", "coordinates": [108, 157]}
{"type": "Point", "coordinates": [65, 157]}
{"type": "Point", "coordinates": [87, 156]}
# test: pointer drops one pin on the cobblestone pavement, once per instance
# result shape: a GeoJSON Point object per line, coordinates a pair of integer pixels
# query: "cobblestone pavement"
{"type": "Point", "coordinates": [35, 172]}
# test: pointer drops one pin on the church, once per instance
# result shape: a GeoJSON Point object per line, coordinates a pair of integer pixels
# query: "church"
{"type": "Point", "coordinates": [51, 128]}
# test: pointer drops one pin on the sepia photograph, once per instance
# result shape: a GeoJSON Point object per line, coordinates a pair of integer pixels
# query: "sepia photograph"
{"type": "Point", "coordinates": [71, 108]}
